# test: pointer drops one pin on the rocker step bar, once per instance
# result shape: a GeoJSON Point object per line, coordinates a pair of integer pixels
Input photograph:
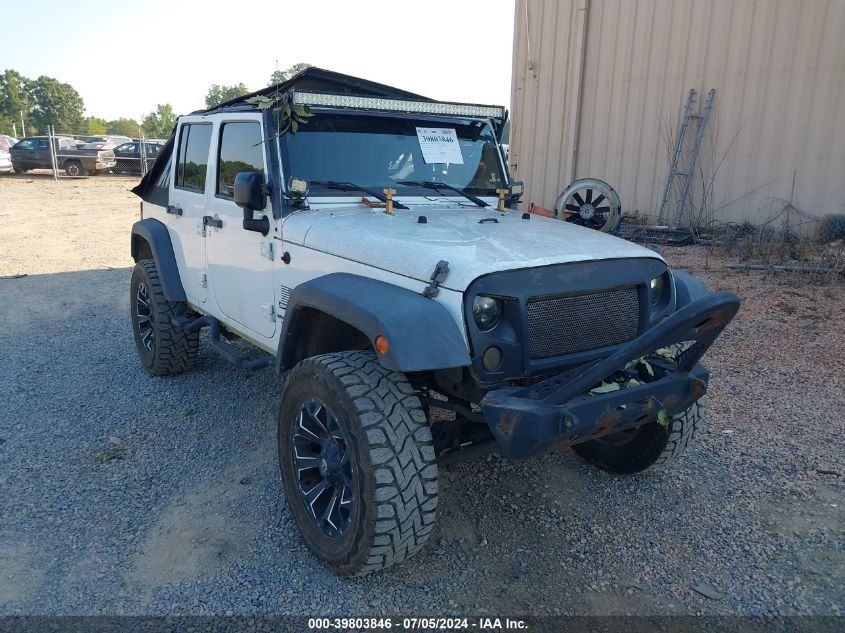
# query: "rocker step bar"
{"type": "Point", "coordinates": [226, 350]}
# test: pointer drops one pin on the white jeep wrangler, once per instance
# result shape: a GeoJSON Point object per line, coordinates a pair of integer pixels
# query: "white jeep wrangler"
{"type": "Point", "coordinates": [366, 241]}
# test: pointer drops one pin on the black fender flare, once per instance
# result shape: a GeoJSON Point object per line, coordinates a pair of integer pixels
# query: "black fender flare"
{"type": "Point", "coordinates": [687, 288]}
{"type": "Point", "coordinates": [157, 236]}
{"type": "Point", "coordinates": [421, 333]}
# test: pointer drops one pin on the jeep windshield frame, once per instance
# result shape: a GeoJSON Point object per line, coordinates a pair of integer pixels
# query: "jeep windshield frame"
{"type": "Point", "coordinates": [380, 150]}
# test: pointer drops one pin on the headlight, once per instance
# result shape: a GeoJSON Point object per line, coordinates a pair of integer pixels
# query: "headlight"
{"type": "Point", "coordinates": [657, 287]}
{"type": "Point", "coordinates": [486, 311]}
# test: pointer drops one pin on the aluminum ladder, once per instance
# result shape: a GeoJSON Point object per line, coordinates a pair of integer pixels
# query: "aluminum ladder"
{"type": "Point", "coordinates": [687, 172]}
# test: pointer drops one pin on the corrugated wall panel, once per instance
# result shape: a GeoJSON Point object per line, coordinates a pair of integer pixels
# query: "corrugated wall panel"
{"type": "Point", "coordinates": [543, 110]}
{"type": "Point", "coordinates": [779, 114]}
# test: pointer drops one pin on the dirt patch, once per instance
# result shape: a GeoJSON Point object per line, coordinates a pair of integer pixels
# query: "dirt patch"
{"type": "Point", "coordinates": [66, 225]}
{"type": "Point", "coordinates": [20, 574]}
{"type": "Point", "coordinates": [202, 530]}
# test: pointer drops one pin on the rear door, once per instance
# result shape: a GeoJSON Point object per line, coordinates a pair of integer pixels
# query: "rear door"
{"type": "Point", "coordinates": [187, 201]}
{"type": "Point", "coordinates": [42, 154]}
{"type": "Point", "coordinates": [240, 263]}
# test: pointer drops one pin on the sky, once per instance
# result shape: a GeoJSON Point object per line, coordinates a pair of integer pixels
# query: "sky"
{"type": "Point", "coordinates": [126, 56]}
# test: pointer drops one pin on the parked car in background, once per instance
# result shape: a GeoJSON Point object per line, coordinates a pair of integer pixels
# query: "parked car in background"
{"type": "Point", "coordinates": [128, 156]}
{"type": "Point", "coordinates": [5, 161]}
{"type": "Point", "coordinates": [104, 142]}
{"type": "Point", "coordinates": [33, 152]}
{"type": "Point", "coordinates": [6, 142]}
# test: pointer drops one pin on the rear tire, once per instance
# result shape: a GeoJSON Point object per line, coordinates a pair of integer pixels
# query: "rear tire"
{"type": "Point", "coordinates": [19, 170]}
{"type": "Point", "coordinates": [648, 446]}
{"type": "Point", "coordinates": [364, 492]}
{"type": "Point", "coordinates": [74, 168]}
{"type": "Point", "coordinates": [163, 347]}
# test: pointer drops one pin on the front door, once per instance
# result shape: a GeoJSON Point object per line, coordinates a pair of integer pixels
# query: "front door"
{"type": "Point", "coordinates": [31, 153]}
{"type": "Point", "coordinates": [240, 262]}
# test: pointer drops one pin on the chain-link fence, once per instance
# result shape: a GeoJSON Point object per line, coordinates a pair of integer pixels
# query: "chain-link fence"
{"type": "Point", "coordinates": [68, 155]}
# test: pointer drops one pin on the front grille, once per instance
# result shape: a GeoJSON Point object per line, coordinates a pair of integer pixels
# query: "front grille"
{"type": "Point", "coordinates": [570, 323]}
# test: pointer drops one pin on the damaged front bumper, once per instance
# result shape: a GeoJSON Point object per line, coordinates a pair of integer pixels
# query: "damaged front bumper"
{"type": "Point", "coordinates": [561, 411]}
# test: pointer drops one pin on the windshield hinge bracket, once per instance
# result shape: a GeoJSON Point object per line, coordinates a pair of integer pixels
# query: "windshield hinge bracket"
{"type": "Point", "coordinates": [441, 271]}
{"type": "Point", "coordinates": [267, 250]}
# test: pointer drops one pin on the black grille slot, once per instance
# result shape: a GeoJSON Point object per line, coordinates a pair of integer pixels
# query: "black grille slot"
{"type": "Point", "coordinates": [580, 322]}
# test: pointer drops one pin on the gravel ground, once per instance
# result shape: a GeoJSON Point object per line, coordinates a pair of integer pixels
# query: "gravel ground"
{"type": "Point", "coordinates": [125, 494]}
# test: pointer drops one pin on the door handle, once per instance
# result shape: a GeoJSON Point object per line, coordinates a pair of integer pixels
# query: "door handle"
{"type": "Point", "coordinates": [207, 220]}
{"type": "Point", "coordinates": [172, 210]}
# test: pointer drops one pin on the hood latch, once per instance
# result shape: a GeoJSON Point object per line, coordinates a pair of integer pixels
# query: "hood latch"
{"type": "Point", "coordinates": [441, 271]}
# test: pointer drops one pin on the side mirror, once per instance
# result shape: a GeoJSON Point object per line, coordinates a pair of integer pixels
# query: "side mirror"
{"type": "Point", "coordinates": [251, 196]}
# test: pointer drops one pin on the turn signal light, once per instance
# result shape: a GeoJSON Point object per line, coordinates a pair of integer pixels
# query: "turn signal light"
{"type": "Point", "coordinates": [381, 344]}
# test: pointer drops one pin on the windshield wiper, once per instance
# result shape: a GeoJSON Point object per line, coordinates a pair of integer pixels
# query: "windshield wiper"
{"type": "Point", "coordinates": [351, 186]}
{"type": "Point", "coordinates": [442, 185]}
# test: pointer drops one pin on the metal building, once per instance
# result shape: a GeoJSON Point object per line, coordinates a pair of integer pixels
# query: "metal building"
{"type": "Point", "coordinates": [599, 86]}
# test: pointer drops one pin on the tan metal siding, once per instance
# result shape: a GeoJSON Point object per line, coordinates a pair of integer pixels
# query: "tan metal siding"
{"type": "Point", "coordinates": [777, 66]}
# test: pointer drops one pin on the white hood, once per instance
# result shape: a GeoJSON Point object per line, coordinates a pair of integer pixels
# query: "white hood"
{"type": "Point", "coordinates": [401, 244]}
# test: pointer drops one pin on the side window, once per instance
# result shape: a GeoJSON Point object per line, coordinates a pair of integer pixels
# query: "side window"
{"type": "Point", "coordinates": [26, 144]}
{"type": "Point", "coordinates": [240, 150]}
{"type": "Point", "coordinates": [42, 143]}
{"type": "Point", "coordinates": [194, 140]}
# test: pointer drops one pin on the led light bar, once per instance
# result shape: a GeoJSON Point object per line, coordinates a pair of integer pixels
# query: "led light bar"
{"type": "Point", "coordinates": [397, 105]}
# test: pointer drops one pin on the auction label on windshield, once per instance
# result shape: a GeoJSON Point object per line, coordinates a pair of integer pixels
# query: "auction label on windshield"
{"type": "Point", "coordinates": [440, 145]}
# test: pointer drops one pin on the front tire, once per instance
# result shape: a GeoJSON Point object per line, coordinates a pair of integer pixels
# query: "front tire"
{"type": "Point", "coordinates": [648, 446]}
{"type": "Point", "coordinates": [163, 347]}
{"type": "Point", "coordinates": [357, 462]}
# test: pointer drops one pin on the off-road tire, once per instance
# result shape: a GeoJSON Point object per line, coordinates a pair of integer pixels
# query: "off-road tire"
{"type": "Point", "coordinates": [173, 350]}
{"type": "Point", "coordinates": [19, 170]}
{"type": "Point", "coordinates": [74, 168]}
{"type": "Point", "coordinates": [650, 446]}
{"type": "Point", "coordinates": [394, 473]}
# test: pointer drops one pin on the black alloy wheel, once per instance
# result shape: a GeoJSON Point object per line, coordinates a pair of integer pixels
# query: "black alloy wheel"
{"type": "Point", "coordinates": [323, 467]}
{"type": "Point", "coordinates": [145, 317]}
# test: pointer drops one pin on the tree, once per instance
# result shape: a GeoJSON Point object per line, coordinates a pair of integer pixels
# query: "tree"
{"type": "Point", "coordinates": [57, 104]}
{"type": "Point", "coordinates": [280, 76]}
{"type": "Point", "coordinates": [123, 127]}
{"type": "Point", "coordinates": [94, 126]}
{"type": "Point", "coordinates": [218, 94]}
{"type": "Point", "coordinates": [160, 122]}
{"type": "Point", "coordinates": [15, 97]}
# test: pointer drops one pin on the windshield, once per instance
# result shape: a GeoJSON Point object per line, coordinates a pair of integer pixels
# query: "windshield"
{"type": "Point", "coordinates": [377, 152]}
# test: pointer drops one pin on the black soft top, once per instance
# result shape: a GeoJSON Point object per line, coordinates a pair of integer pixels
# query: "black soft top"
{"type": "Point", "coordinates": [311, 79]}
{"type": "Point", "coordinates": [315, 79]}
